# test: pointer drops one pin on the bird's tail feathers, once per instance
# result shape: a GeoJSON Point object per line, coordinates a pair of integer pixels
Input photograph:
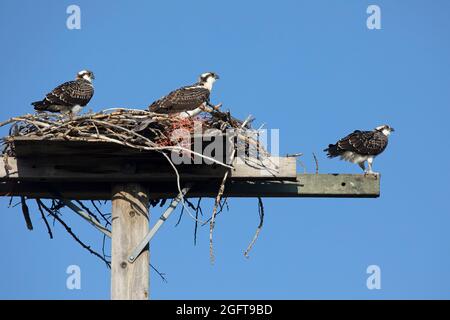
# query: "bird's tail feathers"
{"type": "Point", "coordinates": [332, 151]}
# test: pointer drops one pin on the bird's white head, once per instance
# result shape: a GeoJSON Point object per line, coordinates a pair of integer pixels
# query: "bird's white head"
{"type": "Point", "coordinates": [385, 129]}
{"type": "Point", "coordinates": [86, 75]}
{"type": "Point", "coordinates": [207, 79]}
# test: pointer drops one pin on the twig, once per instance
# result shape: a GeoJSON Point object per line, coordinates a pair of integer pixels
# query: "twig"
{"type": "Point", "coordinates": [94, 222]}
{"type": "Point", "coordinates": [105, 256]}
{"type": "Point", "coordinates": [302, 165]}
{"type": "Point", "coordinates": [49, 230]}
{"type": "Point", "coordinates": [179, 218]}
{"type": "Point", "coordinates": [258, 230]}
{"type": "Point", "coordinates": [217, 201]}
{"type": "Point", "coordinates": [198, 209]}
{"type": "Point", "coordinates": [26, 213]}
{"type": "Point", "coordinates": [160, 274]}
{"type": "Point", "coordinates": [223, 204]}
{"type": "Point", "coordinates": [294, 155]}
{"type": "Point", "coordinates": [87, 210]}
{"type": "Point", "coordinates": [191, 205]}
{"type": "Point", "coordinates": [10, 201]}
{"type": "Point", "coordinates": [317, 163]}
{"type": "Point", "coordinates": [73, 235]}
{"type": "Point", "coordinates": [180, 192]}
{"type": "Point", "coordinates": [101, 213]}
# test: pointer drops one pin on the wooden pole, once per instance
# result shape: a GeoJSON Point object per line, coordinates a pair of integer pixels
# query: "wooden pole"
{"type": "Point", "coordinates": [130, 217]}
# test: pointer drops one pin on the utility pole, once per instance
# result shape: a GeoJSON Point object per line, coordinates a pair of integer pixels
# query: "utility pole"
{"type": "Point", "coordinates": [130, 216]}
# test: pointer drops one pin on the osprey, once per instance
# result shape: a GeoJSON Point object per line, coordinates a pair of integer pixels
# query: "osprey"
{"type": "Point", "coordinates": [70, 96]}
{"type": "Point", "coordinates": [187, 99]}
{"type": "Point", "coordinates": [361, 146]}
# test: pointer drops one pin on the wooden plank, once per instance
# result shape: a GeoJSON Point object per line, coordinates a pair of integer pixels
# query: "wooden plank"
{"type": "Point", "coordinates": [267, 168]}
{"type": "Point", "coordinates": [38, 147]}
{"type": "Point", "coordinates": [326, 185]}
{"type": "Point", "coordinates": [117, 169]}
{"type": "Point", "coordinates": [306, 185]}
{"type": "Point", "coordinates": [316, 186]}
{"type": "Point", "coordinates": [129, 281]}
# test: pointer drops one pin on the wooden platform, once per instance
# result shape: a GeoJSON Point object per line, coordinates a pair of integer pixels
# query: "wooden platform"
{"type": "Point", "coordinates": [306, 185]}
{"type": "Point", "coordinates": [88, 170]}
{"type": "Point", "coordinates": [76, 161]}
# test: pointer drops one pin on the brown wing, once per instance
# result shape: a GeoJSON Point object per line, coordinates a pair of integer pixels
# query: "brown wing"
{"type": "Point", "coordinates": [72, 93]}
{"type": "Point", "coordinates": [364, 142]}
{"type": "Point", "coordinates": [183, 99]}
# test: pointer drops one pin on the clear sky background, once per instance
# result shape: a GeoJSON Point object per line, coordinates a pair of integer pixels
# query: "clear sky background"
{"type": "Point", "coordinates": [311, 69]}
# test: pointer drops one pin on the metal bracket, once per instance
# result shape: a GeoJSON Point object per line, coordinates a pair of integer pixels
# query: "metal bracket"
{"type": "Point", "coordinates": [86, 216]}
{"type": "Point", "coordinates": [140, 247]}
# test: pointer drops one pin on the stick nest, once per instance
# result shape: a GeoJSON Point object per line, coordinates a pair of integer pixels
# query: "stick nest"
{"type": "Point", "coordinates": [139, 129]}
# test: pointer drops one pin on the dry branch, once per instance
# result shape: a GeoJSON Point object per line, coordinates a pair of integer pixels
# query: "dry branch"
{"type": "Point", "coordinates": [49, 230]}
{"type": "Point", "coordinates": [72, 234]}
{"type": "Point", "coordinates": [218, 198]}
{"type": "Point", "coordinates": [258, 230]}
{"type": "Point", "coordinates": [316, 162]}
{"type": "Point", "coordinates": [26, 213]}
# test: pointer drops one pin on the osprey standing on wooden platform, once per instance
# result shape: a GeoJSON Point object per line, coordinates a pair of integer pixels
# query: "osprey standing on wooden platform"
{"type": "Point", "coordinates": [70, 96]}
{"type": "Point", "coordinates": [187, 99]}
{"type": "Point", "coordinates": [361, 146]}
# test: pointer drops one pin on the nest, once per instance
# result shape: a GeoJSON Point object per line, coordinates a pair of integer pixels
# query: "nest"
{"type": "Point", "coordinates": [138, 129]}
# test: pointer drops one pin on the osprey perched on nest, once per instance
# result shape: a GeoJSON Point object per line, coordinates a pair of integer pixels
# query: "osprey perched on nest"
{"type": "Point", "coordinates": [70, 96]}
{"type": "Point", "coordinates": [361, 146]}
{"type": "Point", "coordinates": [187, 100]}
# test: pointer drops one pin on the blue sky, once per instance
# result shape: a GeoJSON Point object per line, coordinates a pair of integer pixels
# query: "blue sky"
{"type": "Point", "coordinates": [311, 69]}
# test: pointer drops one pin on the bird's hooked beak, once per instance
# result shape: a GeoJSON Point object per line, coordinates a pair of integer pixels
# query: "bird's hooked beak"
{"type": "Point", "coordinates": [216, 76]}
{"type": "Point", "coordinates": [392, 129]}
